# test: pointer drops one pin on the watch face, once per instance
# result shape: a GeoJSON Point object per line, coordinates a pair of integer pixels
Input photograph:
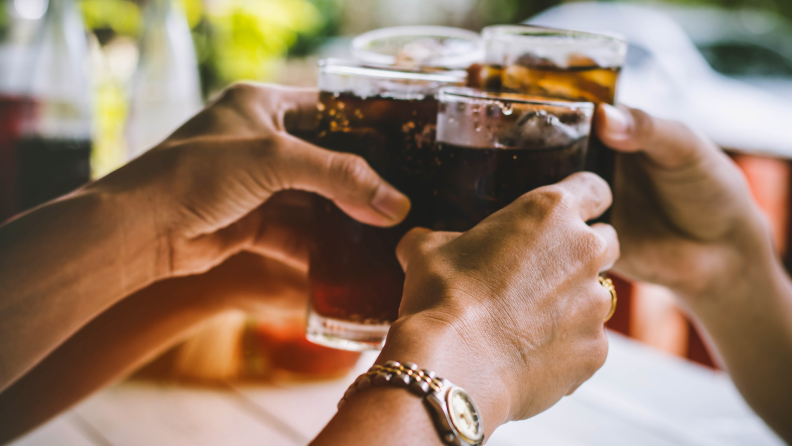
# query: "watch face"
{"type": "Point", "coordinates": [464, 415]}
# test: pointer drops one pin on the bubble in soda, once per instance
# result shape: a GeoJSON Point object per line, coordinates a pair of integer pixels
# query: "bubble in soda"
{"type": "Point", "coordinates": [525, 145]}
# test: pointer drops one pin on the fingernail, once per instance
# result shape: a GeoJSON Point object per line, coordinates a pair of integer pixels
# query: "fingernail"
{"type": "Point", "coordinates": [391, 203]}
{"type": "Point", "coordinates": [617, 123]}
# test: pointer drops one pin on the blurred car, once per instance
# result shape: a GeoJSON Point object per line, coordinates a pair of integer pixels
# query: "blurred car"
{"type": "Point", "coordinates": [669, 68]}
{"type": "Point", "coordinates": [750, 45]}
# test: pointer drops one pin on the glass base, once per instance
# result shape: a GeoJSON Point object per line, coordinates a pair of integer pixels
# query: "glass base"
{"type": "Point", "coordinates": [345, 335]}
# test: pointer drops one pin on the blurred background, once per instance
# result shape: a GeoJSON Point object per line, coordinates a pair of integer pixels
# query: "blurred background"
{"type": "Point", "coordinates": [280, 41]}
{"type": "Point", "coordinates": [119, 75]}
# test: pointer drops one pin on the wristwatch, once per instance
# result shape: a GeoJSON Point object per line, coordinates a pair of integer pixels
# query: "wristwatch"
{"type": "Point", "coordinates": [455, 415]}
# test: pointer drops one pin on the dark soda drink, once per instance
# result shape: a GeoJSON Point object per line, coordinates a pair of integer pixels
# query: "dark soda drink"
{"type": "Point", "coordinates": [395, 136]}
{"type": "Point", "coordinates": [50, 167]}
{"type": "Point", "coordinates": [477, 181]}
{"type": "Point", "coordinates": [35, 169]}
{"type": "Point", "coordinates": [588, 82]}
{"type": "Point", "coordinates": [554, 63]}
{"type": "Point", "coordinates": [11, 116]}
{"type": "Point", "coordinates": [494, 147]}
{"type": "Point", "coordinates": [388, 117]}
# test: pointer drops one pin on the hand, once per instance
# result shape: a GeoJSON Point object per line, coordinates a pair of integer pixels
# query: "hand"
{"type": "Point", "coordinates": [256, 285]}
{"type": "Point", "coordinates": [682, 208]}
{"type": "Point", "coordinates": [204, 186]}
{"type": "Point", "coordinates": [512, 309]}
{"type": "Point", "coordinates": [686, 220]}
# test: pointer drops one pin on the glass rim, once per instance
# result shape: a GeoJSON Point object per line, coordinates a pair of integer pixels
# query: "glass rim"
{"type": "Point", "coordinates": [532, 31]}
{"type": "Point", "coordinates": [361, 42]}
{"type": "Point", "coordinates": [474, 94]}
{"type": "Point", "coordinates": [355, 68]}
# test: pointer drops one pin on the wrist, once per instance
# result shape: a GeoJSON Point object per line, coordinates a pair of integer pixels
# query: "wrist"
{"type": "Point", "coordinates": [141, 241]}
{"type": "Point", "coordinates": [154, 192]}
{"type": "Point", "coordinates": [436, 345]}
{"type": "Point", "coordinates": [733, 266]}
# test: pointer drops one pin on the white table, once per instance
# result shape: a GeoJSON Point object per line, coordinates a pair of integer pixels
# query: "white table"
{"type": "Point", "coordinates": [639, 397]}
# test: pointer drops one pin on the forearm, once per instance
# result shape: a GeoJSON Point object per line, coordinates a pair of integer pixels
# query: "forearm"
{"type": "Point", "coordinates": [138, 328]}
{"type": "Point", "coordinates": [381, 416]}
{"type": "Point", "coordinates": [63, 264]}
{"type": "Point", "coordinates": [112, 345]}
{"type": "Point", "coordinates": [748, 318]}
{"type": "Point", "coordinates": [393, 416]}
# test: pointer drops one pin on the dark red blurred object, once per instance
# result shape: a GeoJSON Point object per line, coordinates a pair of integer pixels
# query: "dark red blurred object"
{"type": "Point", "coordinates": [620, 321]}
{"type": "Point", "coordinates": [283, 348]}
{"type": "Point", "coordinates": [12, 109]}
{"type": "Point", "coordinates": [697, 350]}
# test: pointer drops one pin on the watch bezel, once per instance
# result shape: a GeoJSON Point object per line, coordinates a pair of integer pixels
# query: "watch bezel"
{"type": "Point", "coordinates": [450, 408]}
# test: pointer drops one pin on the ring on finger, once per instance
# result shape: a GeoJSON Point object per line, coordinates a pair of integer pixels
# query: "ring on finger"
{"type": "Point", "coordinates": [608, 284]}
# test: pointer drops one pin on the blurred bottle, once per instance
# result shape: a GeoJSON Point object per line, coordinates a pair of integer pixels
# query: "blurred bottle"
{"type": "Point", "coordinates": [166, 88]}
{"type": "Point", "coordinates": [17, 30]}
{"type": "Point", "coordinates": [53, 155]}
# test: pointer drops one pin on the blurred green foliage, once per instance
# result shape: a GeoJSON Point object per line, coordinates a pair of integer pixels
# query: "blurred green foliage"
{"type": "Point", "coordinates": [193, 10]}
{"type": "Point", "coordinates": [782, 7]}
{"type": "Point", "coordinates": [121, 16]}
{"type": "Point", "coordinates": [3, 19]}
{"type": "Point", "coordinates": [249, 37]}
{"type": "Point", "coordinates": [511, 11]}
{"type": "Point", "coordinates": [329, 24]}
{"type": "Point", "coordinates": [234, 39]}
{"type": "Point", "coordinates": [746, 59]}
{"type": "Point", "coordinates": [491, 12]}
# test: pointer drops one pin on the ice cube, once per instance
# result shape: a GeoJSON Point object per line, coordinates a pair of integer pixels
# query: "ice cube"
{"type": "Point", "coordinates": [425, 50]}
{"type": "Point", "coordinates": [531, 60]}
{"type": "Point", "coordinates": [543, 129]}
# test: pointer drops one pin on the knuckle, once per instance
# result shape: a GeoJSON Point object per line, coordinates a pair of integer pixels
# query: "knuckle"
{"type": "Point", "coordinates": [592, 245]}
{"type": "Point", "coordinates": [586, 177]}
{"type": "Point", "coordinates": [592, 179]}
{"type": "Point", "coordinates": [597, 189]}
{"type": "Point", "coordinates": [551, 197]}
{"type": "Point", "coordinates": [413, 238]}
{"type": "Point", "coordinates": [407, 248]}
{"type": "Point", "coordinates": [418, 243]}
{"type": "Point", "coordinates": [238, 90]}
{"type": "Point", "coordinates": [350, 169]}
{"type": "Point", "coordinates": [246, 92]}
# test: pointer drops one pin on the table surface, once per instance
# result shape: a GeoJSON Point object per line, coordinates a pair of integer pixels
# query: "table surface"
{"type": "Point", "coordinates": [639, 397]}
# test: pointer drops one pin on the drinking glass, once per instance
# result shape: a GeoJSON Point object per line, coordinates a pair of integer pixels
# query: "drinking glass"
{"type": "Point", "coordinates": [493, 147]}
{"type": "Point", "coordinates": [387, 116]}
{"type": "Point", "coordinates": [554, 63]}
{"type": "Point", "coordinates": [427, 46]}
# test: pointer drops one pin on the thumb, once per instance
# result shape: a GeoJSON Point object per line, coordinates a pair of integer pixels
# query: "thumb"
{"type": "Point", "coordinates": [695, 185]}
{"type": "Point", "coordinates": [344, 178]}
{"type": "Point", "coordinates": [667, 144]}
{"type": "Point", "coordinates": [419, 241]}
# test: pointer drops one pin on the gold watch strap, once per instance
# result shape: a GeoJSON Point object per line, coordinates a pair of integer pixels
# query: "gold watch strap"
{"type": "Point", "coordinates": [420, 382]}
{"type": "Point", "coordinates": [424, 383]}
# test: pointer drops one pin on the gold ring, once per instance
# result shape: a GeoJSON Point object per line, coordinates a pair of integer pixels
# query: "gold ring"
{"type": "Point", "coordinates": [608, 284]}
